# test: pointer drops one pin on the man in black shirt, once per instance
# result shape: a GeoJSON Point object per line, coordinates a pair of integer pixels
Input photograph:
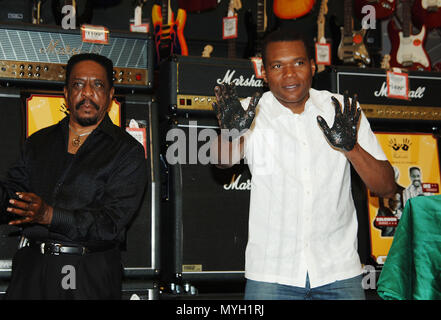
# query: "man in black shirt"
{"type": "Point", "coordinates": [74, 190]}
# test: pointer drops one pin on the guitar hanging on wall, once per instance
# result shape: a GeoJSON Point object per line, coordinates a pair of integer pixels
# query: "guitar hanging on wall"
{"type": "Point", "coordinates": [321, 39]}
{"type": "Point", "coordinates": [426, 12]}
{"type": "Point", "coordinates": [256, 31]}
{"type": "Point", "coordinates": [383, 8]}
{"type": "Point", "coordinates": [352, 49]}
{"type": "Point", "coordinates": [407, 49]}
{"type": "Point", "coordinates": [292, 9]}
{"type": "Point", "coordinates": [169, 33]}
{"type": "Point", "coordinates": [233, 7]}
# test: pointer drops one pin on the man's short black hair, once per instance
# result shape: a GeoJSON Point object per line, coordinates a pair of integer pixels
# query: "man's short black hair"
{"type": "Point", "coordinates": [287, 34]}
{"type": "Point", "coordinates": [105, 62]}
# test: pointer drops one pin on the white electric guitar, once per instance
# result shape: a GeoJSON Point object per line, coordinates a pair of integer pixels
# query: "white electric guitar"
{"type": "Point", "coordinates": [408, 49]}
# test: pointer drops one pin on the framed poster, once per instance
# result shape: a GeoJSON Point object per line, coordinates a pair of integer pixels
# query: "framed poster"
{"type": "Point", "coordinates": [415, 159]}
{"type": "Point", "coordinates": [44, 110]}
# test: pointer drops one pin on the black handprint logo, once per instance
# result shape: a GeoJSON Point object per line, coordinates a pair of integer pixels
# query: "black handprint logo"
{"type": "Point", "coordinates": [406, 144]}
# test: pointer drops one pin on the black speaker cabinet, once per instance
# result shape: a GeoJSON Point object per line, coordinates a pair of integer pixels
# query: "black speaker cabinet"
{"type": "Point", "coordinates": [141, 250]}
{"type": "Point", "coordinates": [206, 215]}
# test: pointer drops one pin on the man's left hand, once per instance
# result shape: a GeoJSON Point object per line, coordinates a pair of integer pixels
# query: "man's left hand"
{"type": "Point", "coordinates": [343, 134]}
{"type": "Point", "coordinates": [31, 207]}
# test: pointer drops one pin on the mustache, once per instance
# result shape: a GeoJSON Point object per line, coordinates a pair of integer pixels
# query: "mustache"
{"type": "Point", "coordinates": [79, 104]}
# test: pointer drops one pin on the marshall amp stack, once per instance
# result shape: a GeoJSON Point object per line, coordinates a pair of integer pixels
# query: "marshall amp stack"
{"type": "Point", "coordinates": [205, 208]}
{"type": "Point", "coordinates": [32, 65]}
{"type": "Point", "coordinates": [34, 54]}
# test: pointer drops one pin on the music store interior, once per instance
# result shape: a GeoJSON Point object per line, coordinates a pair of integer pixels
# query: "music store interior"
{"type": "Point", "coordinates": [168, 56]}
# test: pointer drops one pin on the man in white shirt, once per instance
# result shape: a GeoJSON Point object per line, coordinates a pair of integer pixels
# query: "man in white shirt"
{"type": "Point", "coordinates": [303, 226]}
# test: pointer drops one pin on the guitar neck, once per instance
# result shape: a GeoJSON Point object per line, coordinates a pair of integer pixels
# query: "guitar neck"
{"type": "Point", "coordinates": [165, 11]}
{"type": "Point", "coordinates": [406, 17]}
{"type": "Point", "coordinates": [261, 16]}
{"type": "Point", "coordinates": [348, 18]}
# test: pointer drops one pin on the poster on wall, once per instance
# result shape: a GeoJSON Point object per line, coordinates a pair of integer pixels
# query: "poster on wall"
{"type": "Point", "coordinates": [415, 159]}
{"type": "Point", "coordinates": [43, 110]}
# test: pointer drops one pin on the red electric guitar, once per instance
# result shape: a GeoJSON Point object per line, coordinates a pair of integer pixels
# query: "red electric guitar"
{"type": "Point", "coordinates": [292, 9]}
{"type": "Point", "coordinates": [383, 8]}
{"type": "Point", "coordinates": [407, 49]}
{"type": "Point", "coordinates": [427, 12]}
{"type": "Point", "coordinates": [169, 33]}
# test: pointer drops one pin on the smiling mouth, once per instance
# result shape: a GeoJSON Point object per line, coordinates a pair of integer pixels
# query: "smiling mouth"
{"type": "Point", "coordinates": [291, 86]}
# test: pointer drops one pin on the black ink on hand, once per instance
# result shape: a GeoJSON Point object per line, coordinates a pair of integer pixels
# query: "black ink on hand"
{"type": "Point", "coordinates": [343, 134]}
{"type": "Point", "coordinates": [229, 111]}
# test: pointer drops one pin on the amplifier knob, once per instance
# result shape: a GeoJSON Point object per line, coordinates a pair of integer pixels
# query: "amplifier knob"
{"type": "Point", "coordinates": [22, 67]}
{"type": "Point", "coordinates": [46, 68]}
{"type": "Point", "coordinates": [37, 75]}
{"type": "Point", "coordinates": [29, 67]}
{"type": "Point", "coordinates": [21, 74]}
{"type": "Point", "coordinates": [37, 68]}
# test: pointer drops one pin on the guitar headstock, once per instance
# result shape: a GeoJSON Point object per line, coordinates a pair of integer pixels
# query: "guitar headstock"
{"type": "Point", "coordinates": [323, 11]}
{"type": "Point", "coordinates": [233, 7]}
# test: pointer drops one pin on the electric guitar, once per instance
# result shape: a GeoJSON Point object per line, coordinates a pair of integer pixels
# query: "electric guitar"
{"type": "Point", "coordinates": [233, 7]}
{"type": "Point", "coordinates": [256, 31]}
{"type": "Point", "coordinates": [383, 8]}
{"type": "Point", "coordinates": [197, 5]}
{"type": "Point", "coordinates": [292, 9]}
{"type": "Point", "coordinates": [427, 12]}
{"type": "Point", "coordinates": [169, 33]}
{"type": "Point", "coordinates": [321, 28]}
{"type": "Point", "coordinates": [407, 49]}
{"type": "Point", "coordinates": [352, 49]}
{"type": "Point", "coordinates": [36, 10]}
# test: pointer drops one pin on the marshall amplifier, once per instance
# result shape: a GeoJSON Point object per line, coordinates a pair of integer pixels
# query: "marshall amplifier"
{"type": "Point", "coordinates": [140, 255]}
{"type": "Point", "coordinates": [31, 54]}
{"type": "Point", "coordinates": [422, 109]}
{"type": "Point", "coordinates": [205, 213]}
{"type": "Point", "coordinates": [187, 83]}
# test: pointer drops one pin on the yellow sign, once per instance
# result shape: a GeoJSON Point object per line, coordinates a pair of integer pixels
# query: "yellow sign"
{"type": "Point", "coordinates": [46, 110]}
{"type": "Point", "coordinates": [415, 159]}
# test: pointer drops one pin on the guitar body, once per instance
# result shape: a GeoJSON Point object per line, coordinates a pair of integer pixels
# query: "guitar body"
{"type": "Point", "coordinates": [169, 39]}
{"type": "Point", "coordinates": [352, 49]}
{"type": "Point", "coordinates": [408, 52]}
{"type": "Point", "coordinates": [430, 16]}
{"type": "Point", "coordinates": [292, 9]}
{"type": "Point", "coordinates": [383, 8]}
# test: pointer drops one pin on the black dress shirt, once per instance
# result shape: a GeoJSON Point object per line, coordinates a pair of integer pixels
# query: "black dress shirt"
{"type": "Point", "coordinates": [95, 192]}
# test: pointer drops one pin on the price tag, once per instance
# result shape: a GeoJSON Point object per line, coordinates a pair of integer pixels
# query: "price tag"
{"type": "Point", "coordinates": [229, 27]}
{"type": "Point", "coordinates": [140, 27]}
{"type": "Point", "coordinates": [397, 85]}
{"type": "Point", "coordinates": [258, 64]}
{"type": "Point", "coordinates": [94, 34]}
{"type": "Point", "coordinates": [323, 53]}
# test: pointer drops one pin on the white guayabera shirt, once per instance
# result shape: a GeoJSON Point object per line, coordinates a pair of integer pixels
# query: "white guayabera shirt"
{"type": "Point", "coordinates": [302, 215]}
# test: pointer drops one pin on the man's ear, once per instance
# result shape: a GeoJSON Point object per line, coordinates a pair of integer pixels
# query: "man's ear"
{"type": "Point", "coordinates": [265, 79]}
{"type": "Point", "coordinates": [111, 94]}
{"type": "Point", "coordinates": [313, 67]}
{"type": "Point", "coordinates": [65, 96]}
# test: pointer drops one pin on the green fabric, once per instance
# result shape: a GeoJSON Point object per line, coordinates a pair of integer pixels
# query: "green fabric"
{"type": "Point", "coordinates": [413, 266]}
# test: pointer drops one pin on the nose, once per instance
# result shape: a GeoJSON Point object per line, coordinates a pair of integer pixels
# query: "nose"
{"type": "Point", "coordinates": [87, 90]}
{"type": "Point", "coordinates": [289, 71]}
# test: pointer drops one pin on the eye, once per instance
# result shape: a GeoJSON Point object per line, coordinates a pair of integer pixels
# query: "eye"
{"type": "Point", "coordinates": [77, 84]}
{"type": "Point", "coordinates": [276, 66]}
{"type": "Point", "coordinates": [300, 63]}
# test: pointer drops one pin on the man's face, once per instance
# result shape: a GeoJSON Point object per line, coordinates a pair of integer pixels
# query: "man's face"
{"type": "Point", "coordinates": [289, 72]}
{"type": "Point", "coordinates": [88, 93]}
{"type": "Point", "coordinates": [415, 177]}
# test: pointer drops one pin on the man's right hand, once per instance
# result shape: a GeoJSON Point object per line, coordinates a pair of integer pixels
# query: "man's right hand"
{"type": "Point", "coordinates": [229, 111]}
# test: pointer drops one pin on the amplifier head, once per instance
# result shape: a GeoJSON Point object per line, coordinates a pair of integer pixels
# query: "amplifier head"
{"type": "Point", "coordinates": [33, 54]}
{"type": "Point", "coordinates": [371, 87]}
{"type": "Point", "coordinates": [187, 83]}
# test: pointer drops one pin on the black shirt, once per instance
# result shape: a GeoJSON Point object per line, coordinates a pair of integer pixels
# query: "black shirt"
{"type": "Point", "coordinates": [95, 194]}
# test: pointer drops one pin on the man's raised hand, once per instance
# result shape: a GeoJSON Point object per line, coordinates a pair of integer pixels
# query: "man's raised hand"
{"type": "Point", "coordinates": [343, 134]}
{"type": "Point", "coordinates": [229, 111]}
